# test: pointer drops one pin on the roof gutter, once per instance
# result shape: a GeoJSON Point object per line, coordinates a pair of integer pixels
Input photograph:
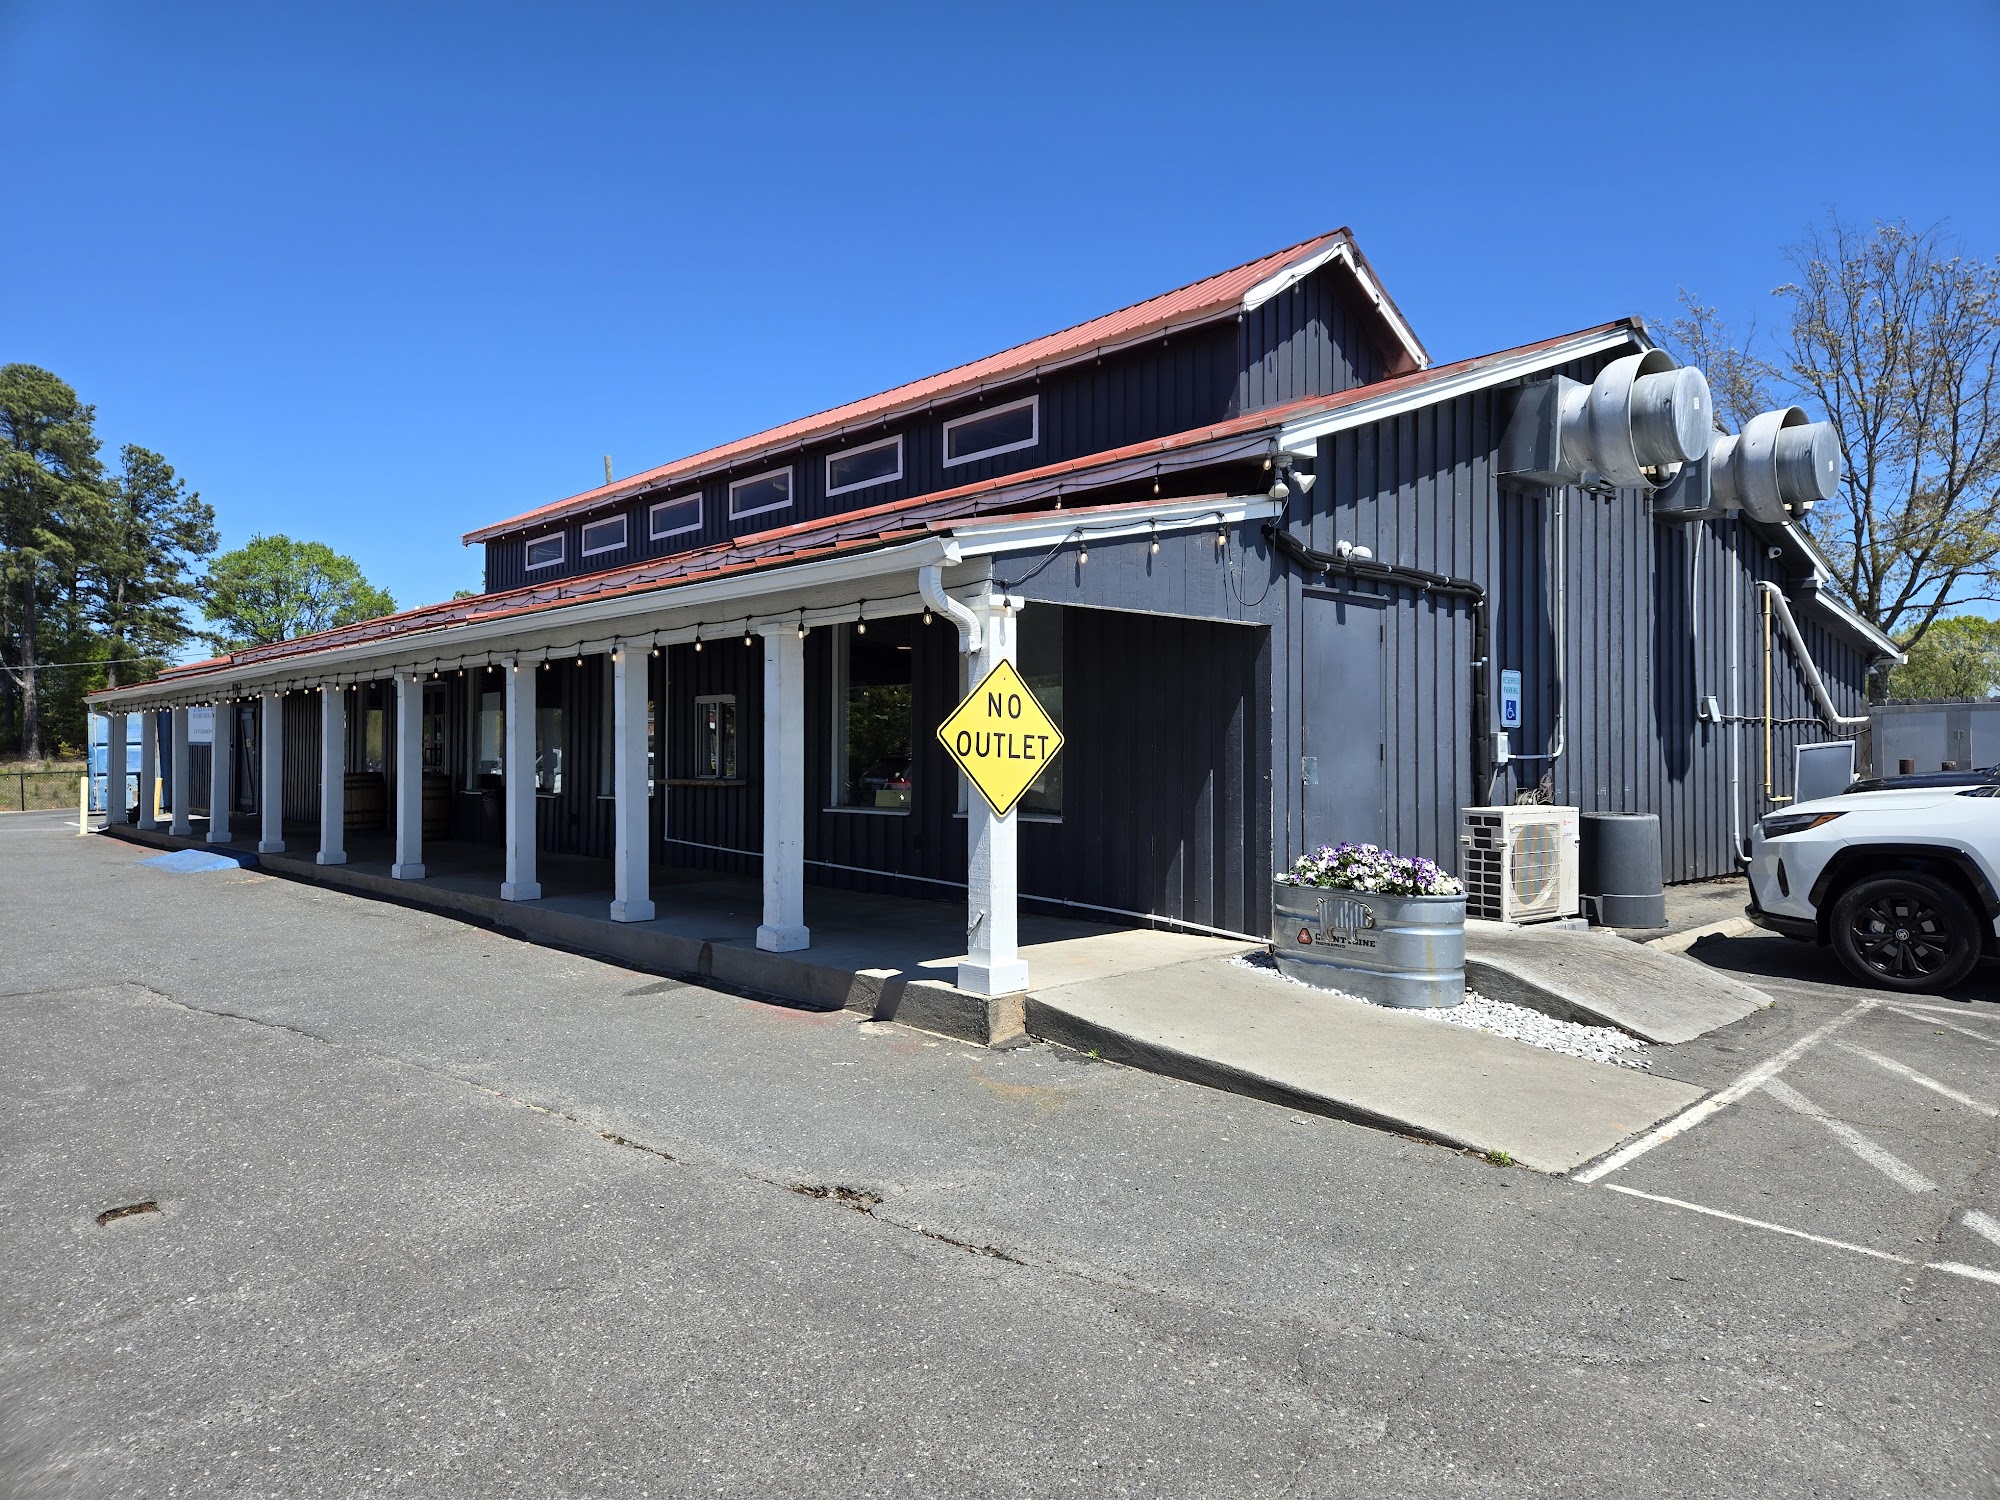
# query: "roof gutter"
{"type": "Point", "coordinates": [1302, 436]}
{"type": "Point", "coordinates": [594, 624]}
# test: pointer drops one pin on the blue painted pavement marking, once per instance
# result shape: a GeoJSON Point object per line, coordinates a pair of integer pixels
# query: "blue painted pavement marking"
{"type": "Point", "coordinates": [198, 861]}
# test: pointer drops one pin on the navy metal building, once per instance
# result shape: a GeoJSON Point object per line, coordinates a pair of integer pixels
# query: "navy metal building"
{"type": "Point", "coordinates": [1247, 541]}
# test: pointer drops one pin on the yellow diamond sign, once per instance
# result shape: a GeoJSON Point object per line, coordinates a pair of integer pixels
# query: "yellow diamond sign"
{"type": "Point", "coordinates": [1001, 737]}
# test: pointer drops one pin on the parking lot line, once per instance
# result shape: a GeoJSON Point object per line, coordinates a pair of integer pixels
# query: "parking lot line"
{"type": "Point", "coordinates": [1952, 1267]}
{"type": "Point", "coordinates": [1889, 1166]}
{"type": "Point", "coordinates": [1983, 1225]}
{"type": "Point", "coordinates": [1688, 1118]}
{"type": "Point", "coordinates": [1905, 1071]}
{"type": "Point", "coordinates": [1910, 1013]}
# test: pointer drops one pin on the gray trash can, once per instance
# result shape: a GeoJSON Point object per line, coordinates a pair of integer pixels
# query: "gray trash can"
{"type": "Point", "coordinates": [1619, 874]}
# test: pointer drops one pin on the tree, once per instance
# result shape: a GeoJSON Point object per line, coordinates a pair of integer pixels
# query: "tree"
{"type": "Point", "coordinates": [153, 531]}
{"type": "Point", "coordinates": [1893, 334]}
{"type": "Point", "coordinates": [1958, 657]}
{"type": "Point", "coordinates": [52, 495]}
{"type": "Point", "coordinates": [275, 589]}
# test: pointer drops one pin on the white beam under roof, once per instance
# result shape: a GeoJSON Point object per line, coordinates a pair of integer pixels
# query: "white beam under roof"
{"type": "Point", "coordinates": [1302, 435]}
{"type": "Point", "coordinates": [821, 592]}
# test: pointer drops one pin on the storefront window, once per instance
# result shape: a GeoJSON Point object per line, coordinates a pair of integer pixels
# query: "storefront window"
{"type": "Point", "coordinates": [374, 737]}
{"type": "Point", "coordinates": [549, 750]}
{"type": "Point", "coordinates": [873, 693]}
{"type": "Point", "coordinates": [488, 740]}
{"type": "Point", "coordinates": [1039, 652]}
{"type": "Point", "coordinates": [715, 737]}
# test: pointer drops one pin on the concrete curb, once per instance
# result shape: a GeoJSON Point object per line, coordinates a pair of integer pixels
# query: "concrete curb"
{"type": "Point", "coordinates": [1046, 1023]}
{"type": "Point", "coordinates": [879, 994]}
{"type": "Point", "coordinates": [1680, 942]}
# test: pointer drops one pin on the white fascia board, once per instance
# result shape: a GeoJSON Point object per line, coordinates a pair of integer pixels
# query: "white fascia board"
{"type": "Point", "coordinates": [563, 625]}
{"type": "Point", "coordinates": [1343, 252]}
{"type": "Point", "coordinates": [982, 540]}
{"type": "Point", "coordinates": [1831, 603]}
{"type": "Point", "coordinates": [1303, 435]}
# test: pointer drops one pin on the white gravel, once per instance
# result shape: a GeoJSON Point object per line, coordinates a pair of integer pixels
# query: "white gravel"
{"type": "Point", "coordinates": [1605, 1044]}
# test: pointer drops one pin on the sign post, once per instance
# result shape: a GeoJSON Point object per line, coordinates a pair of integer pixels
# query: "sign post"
{"type": "Point", "coordinates": [1001, 738]}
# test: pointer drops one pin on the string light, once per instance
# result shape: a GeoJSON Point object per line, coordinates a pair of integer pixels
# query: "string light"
{"type": "Point", "coordinates": [1155, 548]}
{"type": "Point", "coordinates": [802, 624]}
{"type": "Point", "coordinates": [697, 640]}
{"type": "Point", "coordinates": [927, 614]}
{"type": "Point", "coordinates": [746, 632]}
{"type": "Point", "coordinates": [1083, 552]}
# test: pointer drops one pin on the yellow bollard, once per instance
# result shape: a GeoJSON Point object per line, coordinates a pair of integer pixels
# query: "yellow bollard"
{"type": "Point", "coordinates": [82, 805]}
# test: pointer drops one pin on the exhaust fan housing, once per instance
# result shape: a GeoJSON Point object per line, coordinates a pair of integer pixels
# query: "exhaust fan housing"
{"type": "Point", "coordinates": [1631, 428]}
{"type": "Point", "coordinates": [1778, 470]}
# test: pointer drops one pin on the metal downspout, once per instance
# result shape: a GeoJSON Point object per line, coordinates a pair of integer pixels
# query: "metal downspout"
{"type": "Point", "coordinates": [930, 584]}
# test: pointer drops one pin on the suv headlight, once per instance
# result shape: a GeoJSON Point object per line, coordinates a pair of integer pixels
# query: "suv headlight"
{"type": "Point", "coordinates": [1777, 825]}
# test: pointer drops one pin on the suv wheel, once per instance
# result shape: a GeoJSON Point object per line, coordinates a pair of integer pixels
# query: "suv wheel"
{"type": "Point", "coordinates": [1905, 932]}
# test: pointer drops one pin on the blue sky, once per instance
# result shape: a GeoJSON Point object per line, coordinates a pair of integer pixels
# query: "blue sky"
{"type": "Point", "coordinates": [376, 274]}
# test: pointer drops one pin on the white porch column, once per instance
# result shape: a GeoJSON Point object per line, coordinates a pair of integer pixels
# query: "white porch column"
{"type": "Point", "coordinates": [115, 804]}
{"type": "Point", "coordinates": [180, 827]}
{"type": "Point", "coordinates": [993, 963]}
{"type": "Point", "coordinates": [409, 863]}
{"type": "Point", "coordinates": [149, 767]}
{"type": "Point", "coordinates": [784, 928]}
{"type": "Point", "coordinates": [221, 769]}
{"type": "Point", "coordinates": [332, 776]}
{"type": "Point", "coordinates": [519, 776]}
{"type": "Point", "coordinates": [632, 876]}
{"type": "Point", "coordinates": [271, 776]}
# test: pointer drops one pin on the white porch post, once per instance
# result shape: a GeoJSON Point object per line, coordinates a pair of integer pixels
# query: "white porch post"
{"type": "Point", "coordinates": [993, 963]}
{"type": "Point", "coordinates": [149, 767]}
{"type": "Point", "coordinates": [332, 775]}
{"type": "Point", "coordinates": [784, 928]}
{"type": "Point", "coordinates": [519, 775]}
{"type": "Point", "coordinates": [271, 776]}
{"type": "Point", "coordinates": [221, 766]}
{"type": "Point", "coordinates": [409, 863]}
{"type": "Point", "coordinates": [114, 767]}
{"type": "Point", "coordinates": [180, 827]}
{"type": "Point", "coordinates": [632, 896]}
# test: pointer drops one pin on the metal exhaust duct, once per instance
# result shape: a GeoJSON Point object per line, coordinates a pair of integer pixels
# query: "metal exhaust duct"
{"type": "Point", "coordinates": [1635, 424]}
{"type": "Point", "coordinates": [1779, 469]}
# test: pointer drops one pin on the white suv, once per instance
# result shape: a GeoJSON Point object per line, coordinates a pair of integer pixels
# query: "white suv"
{"type": "Point", "coordinates": [1900, 883]}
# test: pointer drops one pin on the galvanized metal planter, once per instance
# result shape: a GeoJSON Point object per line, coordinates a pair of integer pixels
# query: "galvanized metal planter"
{"type": "Point", "coordinates": [1405, 951]}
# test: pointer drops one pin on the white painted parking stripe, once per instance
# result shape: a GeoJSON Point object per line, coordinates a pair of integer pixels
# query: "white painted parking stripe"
{"type": "Point", "coordinates": [1688, 1118]}
{"type": "Point", "coordinates": [1892, 1167]}
{"type": "Point", "coordinates": [1955, 1268]}
{"type": "Point", "coordinates": [1984, 1225]}
{"type": "Point", "coordinates": [1797, 1234]}
{"type": "Point", "coordinates": [1905, 1071]}
{"type": "Point", "coordinates": [1909, 1014]}
{"type": "Point", "coordinates": [1969, 1011]}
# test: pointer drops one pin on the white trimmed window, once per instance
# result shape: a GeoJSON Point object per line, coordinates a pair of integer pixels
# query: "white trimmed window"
{"type": "Point", "coordinates": [672, 517]}
{"type": "Point", "coordinates": [607, 535]}
{"type": "Point", "coordinates": [999, 429]}
{"type": "Point", "coordinates": [857, 468]}
{"type": "Point", "coordinates": [760, 493]}
{"type": "Point", "coordinates": [547, 551]}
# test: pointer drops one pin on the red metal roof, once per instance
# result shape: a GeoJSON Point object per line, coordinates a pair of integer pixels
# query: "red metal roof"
{"type": "Point", "coordinates": [849, 531]}
{"type": "Point", "coordinates": [1196, 302]}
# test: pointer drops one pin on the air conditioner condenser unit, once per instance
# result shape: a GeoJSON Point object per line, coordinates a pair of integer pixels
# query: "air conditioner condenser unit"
{"type": "Point", "coordinates": [1519, 863]}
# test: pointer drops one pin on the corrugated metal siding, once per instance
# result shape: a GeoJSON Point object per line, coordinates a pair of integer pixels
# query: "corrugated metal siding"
{"type": "Point", "coordinates": [716, 826]}
{"type": "Point", "coordinates": [1418, 490]}
{"type": "Point", "coordinates": [1313, 339]}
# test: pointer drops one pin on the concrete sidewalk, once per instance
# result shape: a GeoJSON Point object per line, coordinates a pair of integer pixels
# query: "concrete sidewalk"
{"type": "Point", "coordinates": [1223, 1024]}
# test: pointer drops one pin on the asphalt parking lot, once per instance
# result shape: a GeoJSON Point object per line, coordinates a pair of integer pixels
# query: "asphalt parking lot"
{"type": "Point", "coordinates": [436, 1213]}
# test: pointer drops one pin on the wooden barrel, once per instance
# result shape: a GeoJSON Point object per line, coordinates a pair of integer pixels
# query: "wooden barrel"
{"type": "Point", "coordinates": [437, 805]}
{"type": "Point", "coordinates": [367, 800]}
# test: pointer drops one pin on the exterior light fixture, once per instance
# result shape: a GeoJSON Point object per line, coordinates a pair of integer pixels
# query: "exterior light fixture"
{"type": "Point", "coordinates": [1303, 481]}
{"type": "Point", "coordinates": [1221, 536]}
{"type": "Point", "coordinates": [746, 633]}
{"type": "Point", "coordinates": [1083, 552]}
{"type": "Point", "coordinates": [802, 624]}
{"type": "Point", "coordinates": [1278, 490]}
{"type": "Point", "coordinates": [861, 618]}
{"type": "Point", "coordinates": [697, 640]}
{"type": "Point", "coordinates": [1155, 547]}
